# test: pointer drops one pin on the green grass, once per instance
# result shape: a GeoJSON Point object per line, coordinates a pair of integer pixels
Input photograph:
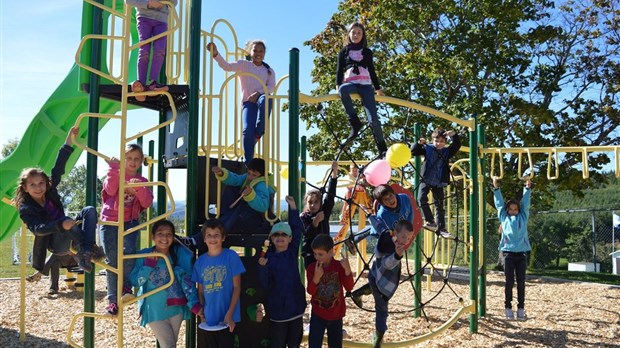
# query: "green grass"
{"type": "Point", "coordinates": [8, 270]}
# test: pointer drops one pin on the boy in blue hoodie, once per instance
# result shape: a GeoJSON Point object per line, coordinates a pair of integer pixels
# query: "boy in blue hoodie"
{"type": "Point", "coordinates": [278, 273]}
{"type": "Point", "coordinates": [392, 207]}
{"type": "Point", "coordinates": [514, 244]}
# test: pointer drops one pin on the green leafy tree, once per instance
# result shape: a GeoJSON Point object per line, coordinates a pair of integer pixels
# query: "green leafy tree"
{"type": "Point", "coordinates": [72, 189]}
{"type": "Point", "coordinates": [535, 73]}
{"type": "Point", "coordinates": [9, 147]}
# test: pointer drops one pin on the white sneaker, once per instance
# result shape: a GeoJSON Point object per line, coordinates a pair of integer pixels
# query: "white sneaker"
{"type": "Point", "coordinates": [431, 226]}
{"type": "Point", "coordinates": [445, 234]}
{"type": "Point", "coordinates": [521, 314]}
{"type": "Point", "coordinates": [509, 314]}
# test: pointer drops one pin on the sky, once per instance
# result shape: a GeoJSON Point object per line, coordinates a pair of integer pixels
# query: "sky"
{"type": "Point", "coordinates": [36, 57]}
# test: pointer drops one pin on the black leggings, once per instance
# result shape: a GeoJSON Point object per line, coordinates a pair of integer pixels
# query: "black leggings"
{"type": "Point", "coordinates": [515, 263]}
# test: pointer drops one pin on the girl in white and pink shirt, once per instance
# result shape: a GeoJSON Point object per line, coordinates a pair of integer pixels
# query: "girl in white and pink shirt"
{"type": "Point", "coordinates": [356, 74]}
{"type": "Point", "coordinates": [253, 95]}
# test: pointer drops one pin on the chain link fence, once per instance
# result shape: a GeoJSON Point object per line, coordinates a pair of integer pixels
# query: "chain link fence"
{"type": "Point", "coordinates": [562, 237]}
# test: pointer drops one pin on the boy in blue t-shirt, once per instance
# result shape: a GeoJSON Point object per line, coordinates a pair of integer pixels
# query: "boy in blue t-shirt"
{"type": "Point", "coordinates": [218, 274]}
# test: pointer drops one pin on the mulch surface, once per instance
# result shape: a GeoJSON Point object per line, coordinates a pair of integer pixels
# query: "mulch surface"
{"type": "Point", "coordinates": [560, 314]}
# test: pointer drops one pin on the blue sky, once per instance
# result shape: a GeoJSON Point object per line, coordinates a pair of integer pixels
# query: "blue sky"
{"type": "Point", "coordinates": [36, 57]}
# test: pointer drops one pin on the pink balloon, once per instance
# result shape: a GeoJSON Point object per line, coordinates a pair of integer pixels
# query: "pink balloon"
{"type": "Point", "coordinates": [378, 172]}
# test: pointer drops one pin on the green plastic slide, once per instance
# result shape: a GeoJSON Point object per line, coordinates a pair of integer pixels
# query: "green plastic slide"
{"type": "Point", "coordinates": [40, 143]}
{"type": "Point", "coordinates": [48, 130]}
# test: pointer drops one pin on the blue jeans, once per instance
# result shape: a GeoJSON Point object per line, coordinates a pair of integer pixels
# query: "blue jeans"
{"type": "Point", "coordinates": [381, 306]}
{"type": "Point", "coordinates": [367, 93]}
{"type": "Point", "coordinates": [286, 334]}
{"type": "Point", "coordinates": [109, 238]}
{"type": "Point", "coordinates": [253, 115]}
{"type": "Point", "coordinates": [82, 234]}
{"type": "Point", "coordinates": [514, 263]}
{"type": "Point", "coordinates": [318, 326]}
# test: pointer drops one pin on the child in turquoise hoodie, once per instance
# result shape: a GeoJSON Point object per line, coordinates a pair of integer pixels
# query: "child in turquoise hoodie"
{"type": "Point", "coordinates": [514, 244]}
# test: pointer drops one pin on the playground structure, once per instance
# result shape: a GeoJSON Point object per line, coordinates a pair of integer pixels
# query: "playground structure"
{"type": "Point", "coordinates": [179, 121]}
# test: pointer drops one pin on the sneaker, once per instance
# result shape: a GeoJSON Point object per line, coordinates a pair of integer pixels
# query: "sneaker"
{"type": "Point", "coordinates": [350, 246]}
{"type": "Point", "coordinates": [84, 261]}
{"type": "Point", "coordinates": [521, 314]}
{"type": "Point", "coordinates": [35, 277]}
{"type": "Point", "coordinates": [431, 226]}
{"type": "Point", "coordinates": [127, 295]}
{"type": "Point", "coordinates": [112, 309]}
{"type": "Point", "coordinates": [509, 314]}
{"type": "Point", "coordinates": [154, 86]}
{"type": "Point", "coordinates": [52, 292]}
{"type": "Point", "coordinates": [356, 126]}
{"type": "Point", "coordinates": [138, 87]}
{"type": "Point", "coordinates": [357, 299]}
{"type": "Point", "coordinates": [377, 339]}
{"type": "Point", "coordinates": [445, 234]}
{"type": "Point", "coordinates": [98, 254]}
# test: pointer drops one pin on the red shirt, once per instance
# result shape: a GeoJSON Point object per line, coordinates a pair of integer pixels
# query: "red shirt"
{"type": "Point", "coordinates": [328, 295]}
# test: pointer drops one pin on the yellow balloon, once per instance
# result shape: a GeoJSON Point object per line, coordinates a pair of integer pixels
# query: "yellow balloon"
{"type": "Point", "coordinates": [398, 155]}
{"type": "Point", "coordinates": [284, 172]}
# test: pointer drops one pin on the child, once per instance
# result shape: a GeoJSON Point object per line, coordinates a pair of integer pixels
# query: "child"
{"type": "Point", "coordinates": [315, 216]}
{"type": "Point", "coordinates": [384, 276]}
{"type": "Point", "coordinates": [164, 311]}
{"type": "Point", "coordinates": [514, 244]}
{"type": "Point", "coordinates": [40, 208]}
{"type": "Point", "coordinates": [278, 272]}
{"type": "Point", "coordinates": [136, 199]}
{"type": "Point", "coordinates": [218, 274]}
{"type": "Point", "coordinates": [252, 93]}
{"type": "Point", "coordinates": [62, 257]}
{"type": "Point", "coordinates": [152, 20]}
{"type": "Point", "coordinates": [248, 213]}
{"type": "Point", "coordinates": [356, 192]}
{"type": "Point", "coordinates": [435, 176]}
{"type": "Point", "coordinates": [326, 279]}
{"type": "Point", "coordinates": [245, 215]}
{"type": "Point", "coordinates": [392, 207]}
{"type": "Point", "coordinates": [356, 74]}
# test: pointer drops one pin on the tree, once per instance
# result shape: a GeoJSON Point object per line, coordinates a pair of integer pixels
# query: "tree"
{"type": "Point", "coordinates": [9, 147]}
{"type": "Point", "coordinates": [72, 189]}
{"type": "Point", "coordinates": [533, 73]}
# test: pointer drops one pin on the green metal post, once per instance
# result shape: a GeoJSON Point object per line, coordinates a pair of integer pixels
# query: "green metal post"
{"type": "Point", "coordinates": [192, 138]}
{"type": "Point", "coordinates": [91, 162]}
{"type": "Point", "coordinates": [473, 227]}
{"type": "Point", "coordinates": [293, 117]}
{"type": "Point", "coordinates": [293, 125]}
{"type": "Point", "coordinates": [482, 279]}
{"type": "Point", "coordinates": [419, 242]}
{"type": "Point", "coordinates": [302, 193]}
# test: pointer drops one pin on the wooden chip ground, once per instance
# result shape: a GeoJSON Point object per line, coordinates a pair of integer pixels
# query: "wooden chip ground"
{"type": "Point", "coordinates": [560, 314]}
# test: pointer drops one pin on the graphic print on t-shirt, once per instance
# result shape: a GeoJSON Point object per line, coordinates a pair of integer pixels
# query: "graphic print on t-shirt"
{"type": "Point", "coordinates": [212, 278]}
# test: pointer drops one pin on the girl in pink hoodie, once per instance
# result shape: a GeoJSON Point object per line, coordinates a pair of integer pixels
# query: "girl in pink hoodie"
{"type": "Point", "coordinates": [136, 199]}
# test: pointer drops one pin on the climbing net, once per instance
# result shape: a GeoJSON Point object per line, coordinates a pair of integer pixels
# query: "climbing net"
{"type": "Point", "coordinates": [427, 255]}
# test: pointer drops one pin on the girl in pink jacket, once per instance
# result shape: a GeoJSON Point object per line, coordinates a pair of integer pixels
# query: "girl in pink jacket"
{"type": "Point", "coordinates": [136, 199]}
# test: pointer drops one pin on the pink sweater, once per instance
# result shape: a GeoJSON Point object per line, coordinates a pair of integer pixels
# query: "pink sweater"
{"type": "Point", "coordinates": [134, 205]}
{"type": "Point", "coordinates": [249, 84]}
